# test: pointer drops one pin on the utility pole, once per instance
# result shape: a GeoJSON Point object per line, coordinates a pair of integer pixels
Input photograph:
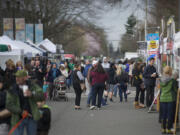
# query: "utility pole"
{"type": "Point", "coordinates": [179, 17]}
{"type": "Point", "coordinates": [145, 29]}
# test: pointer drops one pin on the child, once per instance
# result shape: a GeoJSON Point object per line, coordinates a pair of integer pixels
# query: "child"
{"type": "Point", "coordinates": [4, 114]}
{"type": "Point", "coordinates": [45, 87]}
{"type": "Point", "coordinates": [45, 120]}
{"type": "Point", "coordinates": [167, 99]}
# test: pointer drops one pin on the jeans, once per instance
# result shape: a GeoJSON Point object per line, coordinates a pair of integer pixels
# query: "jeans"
{"type": "Point", "coordinates": [31, 127]}
{"type": "Point", "coordinates": [115, 90]}
{"type": "Point", "coordinates": [88, 86]}
{"type": "Point", "coordinates": [167, 114]}
{"type": "Point", "coordinates": [138, 91]}
{"type": "Point", "coordinates": [68, 82]}
{"type": "Point", "coordinates": [78, 92]}
{"type": "Point", "coordinates": [122, 89]}
{"type": "Point", "coordinates": [149, 95]}
{"type": "Point", "coordinates": [89, 96]}
{"type": "Point", "coordinates": [98, 89]}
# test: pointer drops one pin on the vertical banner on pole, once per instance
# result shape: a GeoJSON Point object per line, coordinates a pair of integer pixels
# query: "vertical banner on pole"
{"type": "Point", "coordinates": [20, 29]}
{"type": "Point", "coordinates": [8, 27]}
{"type": "Point", "coordinates": [152, 44]}
{"type": "Point", "coordinates": [29, 32]}
{"type": "Point", "coordinates": [38, 33]}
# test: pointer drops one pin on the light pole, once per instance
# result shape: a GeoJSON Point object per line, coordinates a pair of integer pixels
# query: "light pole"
{"type": "Point", "coordinates": [145, 29]}
{"type": "Point", "coordinates": [179, 16]}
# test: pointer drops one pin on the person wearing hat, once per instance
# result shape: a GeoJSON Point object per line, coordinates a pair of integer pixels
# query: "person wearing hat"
{"type": "Point", "coordinates": [21, 99]}
{"type": "Point", "coordinates": [150, 76]}
{"type": "Point", "coordinates": [4, 113]}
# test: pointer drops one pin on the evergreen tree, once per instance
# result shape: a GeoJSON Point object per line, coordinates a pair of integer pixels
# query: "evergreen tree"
{"type": "Point", "coordinates": [131, 22]}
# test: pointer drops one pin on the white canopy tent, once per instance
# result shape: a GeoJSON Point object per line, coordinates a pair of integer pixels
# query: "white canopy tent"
{"type": "Point", "coordinates": [28, 50]}
{"type": "Point", "coordinates": [6, 40]}
{"type": "Point", "coordinates": [35, 46]}
{"type": "Point", "coordinates": [19, 45]}
{"type": "Point", "coordinates": [47, 45]}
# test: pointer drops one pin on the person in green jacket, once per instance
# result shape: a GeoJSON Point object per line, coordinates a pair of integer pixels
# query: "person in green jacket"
{"type": "Point", "coordinates": [167, 99]}
{"type": "Point", "coordinates": [21, 98]}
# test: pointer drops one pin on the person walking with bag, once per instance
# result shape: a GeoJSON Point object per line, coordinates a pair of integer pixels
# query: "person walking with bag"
{"type": "Point", "coordinates": [138, 82]}
{"type": "Point", "coordinates": [77, 80]}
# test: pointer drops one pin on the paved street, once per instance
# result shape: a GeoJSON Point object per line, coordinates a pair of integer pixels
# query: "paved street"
{"type": "Point", "coordinates": [116, 118]}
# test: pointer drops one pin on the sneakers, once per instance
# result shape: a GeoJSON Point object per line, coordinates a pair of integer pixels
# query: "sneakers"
{"type": "Point", "coordinates": [168, 131]}
{"type": "Point", "coordinates": [88, 105]}
{"type": "Point", "coordinates": [92, 107]}
{"type": "Point", "coordinates": [142, 105]}
{"type": "Point", "coordinates": [111, 100]}
{"type": "Point", "coordinates": [163, 131]}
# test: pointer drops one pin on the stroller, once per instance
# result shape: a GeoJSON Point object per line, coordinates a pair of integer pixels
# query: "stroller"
{"type": "Point", "coordinates": [59, 90]}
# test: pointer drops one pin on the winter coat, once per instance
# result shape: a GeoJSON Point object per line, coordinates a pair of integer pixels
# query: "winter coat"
{"type": "Point", "coordinates": [111, 74]}
{"type": "Point", "coordinates": [9, 78]}
{"type": "Point", "coordinates": [168, 89]}
{"type": "Point", "coordinates": [45, 121]}
{"type": "Point", "coordinates": [50, 78]}
{"type": "Point", "coordinates": [122, 79]}
{"type": "Point", "coordinates": [137, 75]}
{"type": "Point", "coordinates": [14, 106]}
{"type": "Point", "coordinates": [3, 106]}
{"type": "Point", "coordinates": [148, 80]}
{"type": "Point", "coordinates": [98, 77]}
{"type": "Point", "coordinates": [86, 69]}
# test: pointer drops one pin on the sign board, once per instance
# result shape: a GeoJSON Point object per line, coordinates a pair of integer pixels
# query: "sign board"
{"type": "Point", "coordinates": [20, 29]}
{"type": "Point", "coordinates": [38, 33]}
{"type": "Point", "coordinates": [29, 32]}
{"type": "Point", "coordinates": [8, 27]}
{"type": "Point", "coordinates": [152, 44]}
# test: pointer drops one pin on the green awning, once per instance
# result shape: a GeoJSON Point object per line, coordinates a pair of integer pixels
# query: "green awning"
{"type": "Point", "coordinates": [3, 48]}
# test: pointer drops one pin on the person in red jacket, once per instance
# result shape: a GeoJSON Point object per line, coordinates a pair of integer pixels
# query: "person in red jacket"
{"type": "Point", "coordinates": [99, 77]}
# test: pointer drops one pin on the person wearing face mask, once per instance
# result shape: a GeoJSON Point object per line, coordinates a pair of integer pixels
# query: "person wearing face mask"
{"type": "Point", "coordinates": [150, 76]}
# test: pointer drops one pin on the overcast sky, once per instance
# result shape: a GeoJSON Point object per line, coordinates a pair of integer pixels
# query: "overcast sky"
{"type": "Point", "coordinates": [113, 19]}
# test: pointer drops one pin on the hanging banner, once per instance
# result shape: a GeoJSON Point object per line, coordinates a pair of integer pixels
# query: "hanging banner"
{"type": "Point", "coordinates": [152, 44]}
{"type": "Point", "coordinates": [38, 33]}
{"type": "Point", "coordinates": [20, 29]}
{"type": "Point", "coordinates": [8, 27]}
{"type": "Point", "coordinates": [29, 32]}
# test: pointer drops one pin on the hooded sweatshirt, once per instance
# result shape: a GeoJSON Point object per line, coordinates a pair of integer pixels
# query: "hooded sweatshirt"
{"type": "Point", "coordinates": [168, 89]}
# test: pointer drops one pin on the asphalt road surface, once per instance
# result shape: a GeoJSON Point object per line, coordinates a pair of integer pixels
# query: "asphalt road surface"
{"type": "Point", "coordinates": [114, 119]}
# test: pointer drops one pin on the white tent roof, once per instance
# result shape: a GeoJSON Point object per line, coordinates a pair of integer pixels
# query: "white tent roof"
{"type": "Point", "coordinates": [48, 45]}
{"type": "Point", "coordinates": [6, 40]}
{"type": "Point", "coordinates": [35, 46]}
{"type": "Point", "coordinates": [19, 45]}
{"type": "Point", "coordinates": [27, 49]}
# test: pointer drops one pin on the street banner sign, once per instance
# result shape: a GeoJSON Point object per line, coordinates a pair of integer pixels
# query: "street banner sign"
{"type": "Point", "coordinates": [29, 32]}
{"type": "Point", "coordinates": [8, 27]}
{"type": "Point", "coordinates": [38, 33]}
{"type": "Point", "coordinates": [20, 29]}
{"type": "Point", "coordinates": [152, 44]}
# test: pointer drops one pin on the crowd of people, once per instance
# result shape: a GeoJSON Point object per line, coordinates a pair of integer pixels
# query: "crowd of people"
{"type": "Point", "coordinates": [24, 88]}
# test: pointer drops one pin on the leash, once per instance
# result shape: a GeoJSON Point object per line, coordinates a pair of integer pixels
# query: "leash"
{"type": "Point", "coordinates": [25, 115]}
